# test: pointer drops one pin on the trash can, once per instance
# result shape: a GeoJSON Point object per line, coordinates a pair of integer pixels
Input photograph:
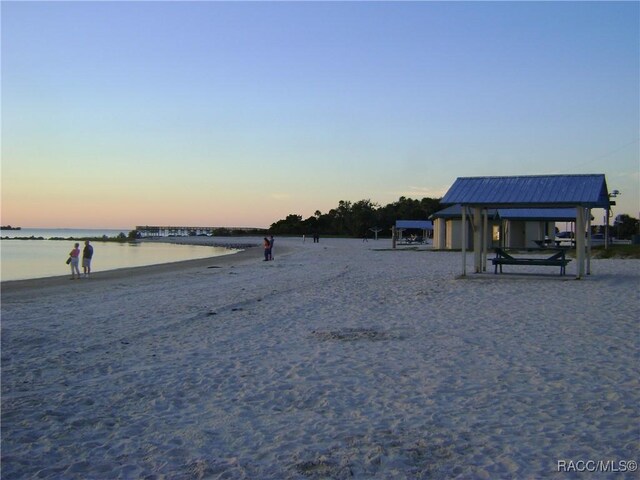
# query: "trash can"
{"type": "Point", "coordinates": [635, 239]}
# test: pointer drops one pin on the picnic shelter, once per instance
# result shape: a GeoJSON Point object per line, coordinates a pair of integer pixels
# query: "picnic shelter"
{"type": "Point", "coordinates": [423, 227]}
{"type": "Point", "coordinates": [477, 195]}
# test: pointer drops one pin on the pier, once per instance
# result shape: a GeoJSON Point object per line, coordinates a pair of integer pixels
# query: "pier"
{"type": "Point", "coordinates": [172, 231]}
{"type": "Point", "coordinates": [146, 231]}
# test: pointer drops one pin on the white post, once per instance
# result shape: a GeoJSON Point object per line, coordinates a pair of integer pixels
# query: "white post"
{"type": "Point", "coordinates": [439, 236]}
{"type": "Point", "coordinates": [588, 213]}
{"type": "Point", "coordinates": [579, 237]}
{"type": "Point", "coordinates": [464, 240]}
{"type": "Point", "coordinates": [477, 239]}
{"type": "Point", "coordinates": [504, 233]}
{"type": "Point", "coordinates": [606, 228]}
{"type": "Point", "coordinates": [485, 239]}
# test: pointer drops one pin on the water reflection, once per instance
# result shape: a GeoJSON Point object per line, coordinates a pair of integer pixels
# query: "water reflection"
{"type": "Point", "coordinates": [22, 259]}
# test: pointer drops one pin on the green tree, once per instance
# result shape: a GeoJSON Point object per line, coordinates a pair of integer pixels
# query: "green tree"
{"type": "Point", "coordinates": [624, 226]}
{"type": "Point", "coordinates": [363, 217]}
{"type": "Point", "coordinates": [289, 226]}
{"type": "Point", "coordinates": [355, 219]}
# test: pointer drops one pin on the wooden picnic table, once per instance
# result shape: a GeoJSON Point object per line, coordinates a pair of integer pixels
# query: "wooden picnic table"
{"type": "Point", "coordinates": [556, 258]}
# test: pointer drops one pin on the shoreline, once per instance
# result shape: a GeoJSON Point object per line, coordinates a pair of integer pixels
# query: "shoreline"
{"type": "Point", "coordinates": [247, 254]}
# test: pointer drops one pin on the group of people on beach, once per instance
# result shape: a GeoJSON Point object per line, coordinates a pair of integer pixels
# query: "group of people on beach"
{"type": "Point", "coordinates": [268, 248]}
{"type": "Point", "coordinates": [87, 255]}
{"type": "Point", "coordinates": [74, 260]}
{"type": "Point", "coordinates": [316, 237]}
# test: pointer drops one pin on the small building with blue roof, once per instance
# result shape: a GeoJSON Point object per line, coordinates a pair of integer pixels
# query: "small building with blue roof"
{"type": "Point", "coordinates": [507, 227]}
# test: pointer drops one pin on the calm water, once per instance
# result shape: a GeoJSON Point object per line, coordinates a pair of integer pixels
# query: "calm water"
{"type": "Point", "coordinates": [22, 259]}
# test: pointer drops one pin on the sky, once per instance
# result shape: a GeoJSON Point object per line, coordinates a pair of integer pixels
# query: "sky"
{"type": "Point", "coordinates": [117, 114]}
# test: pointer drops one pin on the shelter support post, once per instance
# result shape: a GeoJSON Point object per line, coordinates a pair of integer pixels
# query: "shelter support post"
{"type": "Point", "coordinates": [485, 239]}
{"type": "Point", "coordinates": [606, 227]}
{"type": "Point", "coordinates": [439, 234]}
{"type": "Point", "coordinates": [464, 241]}
{"type": "Point", "coordinates": [588, 214]}
{"type": "Point", "coordinates": [477, 239]}
{"type": "Point", "coordinates": [580, 247]}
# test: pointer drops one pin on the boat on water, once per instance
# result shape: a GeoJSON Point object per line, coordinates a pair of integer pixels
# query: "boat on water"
{"type": "Point", "coordinates": [9, 227]}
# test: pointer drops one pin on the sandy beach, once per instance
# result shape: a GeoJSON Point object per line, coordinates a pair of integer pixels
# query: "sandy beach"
{"type": "Point", "coordinates": [343, 359]}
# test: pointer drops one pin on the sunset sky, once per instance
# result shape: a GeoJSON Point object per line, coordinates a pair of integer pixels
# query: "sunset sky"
{"type": "Point", "coordinates": [116, 114]}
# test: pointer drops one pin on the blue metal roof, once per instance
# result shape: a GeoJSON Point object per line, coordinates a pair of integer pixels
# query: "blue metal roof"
{"type": "Point", "coordinates": [539, 214]}
{"type": "Point", "coordinates": [420, 224]}
{"type": "Point", "coordinates": [530, 214]}
{"type": "Point", "coordinates": [455, 211]}
{"type": "Point", "coordinates": [530, 191]}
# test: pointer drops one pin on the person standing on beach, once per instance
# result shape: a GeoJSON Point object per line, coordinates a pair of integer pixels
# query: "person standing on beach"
{"type": "Point", "coordinates": [271, 247]}
{"type": "Point", "coordinates": [75, 257]}
{"type": "Point", "coordinates": [87, 255]}
{"type": "Point", "coordinates": [267, 246]}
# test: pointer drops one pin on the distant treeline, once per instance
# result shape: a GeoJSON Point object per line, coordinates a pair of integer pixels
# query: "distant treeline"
{"type": "Point", "coordinates": [356, 219]}
{"type": "Point", "coordinates": [625, 226]}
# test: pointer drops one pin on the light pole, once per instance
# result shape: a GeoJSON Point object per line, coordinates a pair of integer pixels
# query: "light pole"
{"type": "Point", "coordinates": [613, 194]}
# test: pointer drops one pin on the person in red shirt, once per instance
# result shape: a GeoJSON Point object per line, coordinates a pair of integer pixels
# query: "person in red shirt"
{"type": "Point", "coordinates": [75, 257]}
{"type": "Point", "coordinates": [267, 249]}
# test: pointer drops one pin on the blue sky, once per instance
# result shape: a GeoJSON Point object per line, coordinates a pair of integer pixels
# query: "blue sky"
{"type": "Point", "coordinates": [223, 113]}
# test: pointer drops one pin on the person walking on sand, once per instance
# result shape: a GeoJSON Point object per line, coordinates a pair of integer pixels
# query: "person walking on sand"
{"type": "Point", "coordinates": [271, 247]}
{"type": "Point", "coordinates": [74, 255]}
{"type": "Point", "coordinates": [87, 255]}
{"type": "Point", "coordinates": [267, 246]}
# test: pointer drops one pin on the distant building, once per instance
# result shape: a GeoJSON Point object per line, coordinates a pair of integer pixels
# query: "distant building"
{"type": "Point", "coordinates": [506, 227]}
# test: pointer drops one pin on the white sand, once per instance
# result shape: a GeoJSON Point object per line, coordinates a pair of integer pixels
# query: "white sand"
{"type": "Point", "coordinates": [336, 360]}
